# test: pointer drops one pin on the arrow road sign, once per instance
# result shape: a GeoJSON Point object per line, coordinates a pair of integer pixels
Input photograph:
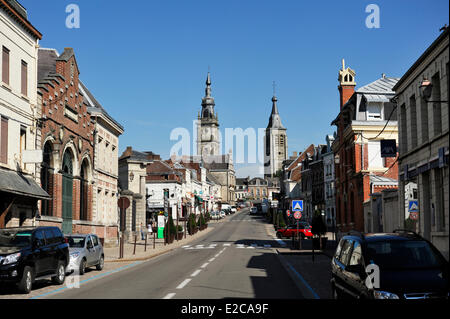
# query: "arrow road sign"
{"type": "Point", "coordinates": [297, 205]}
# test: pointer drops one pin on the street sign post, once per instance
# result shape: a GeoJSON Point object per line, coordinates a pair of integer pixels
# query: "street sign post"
{"type": "Point", "coordinates": [297, 206]}
{"type": "Point", "coordinates": [123, 203]}
{"type": "Point", "coordinates": [413, 206]}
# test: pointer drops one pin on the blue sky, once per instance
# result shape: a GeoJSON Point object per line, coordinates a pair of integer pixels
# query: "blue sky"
{"type": "Point", "coordinates": [146, 61]}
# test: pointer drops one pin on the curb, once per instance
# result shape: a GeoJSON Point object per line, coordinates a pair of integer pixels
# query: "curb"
{"type": "Point", "coordinates": [158, 253]}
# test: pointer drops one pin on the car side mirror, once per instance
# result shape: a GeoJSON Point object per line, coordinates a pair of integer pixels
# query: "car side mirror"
{"type": "Point", "coordinates": [36, 243]}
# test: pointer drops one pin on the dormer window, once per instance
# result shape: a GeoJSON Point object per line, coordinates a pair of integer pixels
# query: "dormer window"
{"type": "Point", "coordinates": [374, 112]}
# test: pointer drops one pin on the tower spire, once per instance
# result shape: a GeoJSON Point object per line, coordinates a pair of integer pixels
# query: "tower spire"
{"type": "Point", "coordinates": [208, 86]}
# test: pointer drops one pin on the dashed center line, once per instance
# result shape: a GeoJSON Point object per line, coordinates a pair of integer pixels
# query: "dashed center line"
{"type": "Point", "coordinates": [184, 283]}
{"type": "Point", "coordinates": [204, 265]}
{"type": "Point", "coordinates": [195, 273]}
{"type": "Point", "coordinates": [170, 296]}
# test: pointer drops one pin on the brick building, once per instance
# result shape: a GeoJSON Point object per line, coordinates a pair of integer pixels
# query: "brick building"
{"type": "Point", "coordinates": [366, 117]}
{"type": "Point", "coordinates": [73, 126]}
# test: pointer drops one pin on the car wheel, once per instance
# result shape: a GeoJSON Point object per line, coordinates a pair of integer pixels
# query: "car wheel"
{"type": "Point", "coordinates": [82, 269]}
{"type": "Point", "coordinates": [26, 283]}
{"type": "Point", "coordinates": [60, 274]}
{"type": "Point", "coordinates": [101, 263]}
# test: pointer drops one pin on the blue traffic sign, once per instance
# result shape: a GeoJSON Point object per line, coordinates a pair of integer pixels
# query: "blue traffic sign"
{"type": "Point", "coordinates": [413, 206]}
{"type": "Point", "coordinates": [297, 205]}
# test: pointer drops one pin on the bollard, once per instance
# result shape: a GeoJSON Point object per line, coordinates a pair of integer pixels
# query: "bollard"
{"type": "Point", "coordinates": [134, 250]}
{"type": "Point", "coordinates": [154, 239]}
{"type": "Point", "coordinates": [145, 247]}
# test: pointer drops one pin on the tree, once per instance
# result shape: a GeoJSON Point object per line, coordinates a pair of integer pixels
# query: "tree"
{"type": "Point", "coordinates": [170, 229]}
{"type": "Point", "coordinates": [191, 224]}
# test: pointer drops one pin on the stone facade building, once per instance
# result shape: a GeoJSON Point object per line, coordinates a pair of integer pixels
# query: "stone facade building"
{"type": "Point", "coordinates": [329, 190]}
{"type": "Point", "coordinates": [132, 184]}
{"type": "Point", "coordinates": [20, 109]}
{"type": "Point", "coordinates": [257, 188]}
{"type": "Point", "coordinates": [424, 144]}
{"type": "Point", "coordinates": [275, 143]}
{"type": "Point", "coordinates": [208, 142]}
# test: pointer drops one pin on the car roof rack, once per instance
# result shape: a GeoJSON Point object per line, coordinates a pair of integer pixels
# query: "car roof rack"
{"type": "Point", "coordinates": [356, 233]}
{"type": "Point", "coordinates": [406, 231]}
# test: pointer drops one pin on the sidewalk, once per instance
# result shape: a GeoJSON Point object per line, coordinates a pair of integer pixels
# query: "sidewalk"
{"type": "Point", "coordinates": [311, 274]}
{"type": "Point", "coordinates": [112, 253]}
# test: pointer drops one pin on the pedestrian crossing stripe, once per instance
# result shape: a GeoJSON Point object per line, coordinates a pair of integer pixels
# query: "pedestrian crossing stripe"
{"type": "Point", "coordinates": [251, 246]}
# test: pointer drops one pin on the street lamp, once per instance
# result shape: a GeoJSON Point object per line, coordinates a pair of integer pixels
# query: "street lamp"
{"type": "Point", "coordinates": [426, 88]}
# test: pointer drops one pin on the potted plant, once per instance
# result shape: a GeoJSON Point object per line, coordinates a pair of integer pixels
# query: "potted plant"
{"type": "Point", "coordinates": [207, 217]}
{"type": "Point", "coordinates": [192, 225]}
{"type": "Point", "coordinates": [201, 222]}
{"type": "Point", "coordinates": [170, 230]}
{"type": "Point", "coordinates": [318, 228]}
{"type": "Point", "coordinates": [180, 232]}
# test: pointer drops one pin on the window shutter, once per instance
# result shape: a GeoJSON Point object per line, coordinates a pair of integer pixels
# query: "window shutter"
{"type": "Point", "coordinates": [5, 66]}
{"type": "Point", "coordinates": [4, 140]}
{"type": "Point", "coordinates": [24, 78]}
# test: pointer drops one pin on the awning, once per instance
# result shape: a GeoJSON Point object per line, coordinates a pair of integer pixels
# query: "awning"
{"type": "Point", "coordinates": [377, 97]}
{"type": "Point", "coordinates": [16, 183]}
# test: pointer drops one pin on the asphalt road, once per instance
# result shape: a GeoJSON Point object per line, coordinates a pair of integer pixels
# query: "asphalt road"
{"type": "Point", "coordinates": [235, 260]}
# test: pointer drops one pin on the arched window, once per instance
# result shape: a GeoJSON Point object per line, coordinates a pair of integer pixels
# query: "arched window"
{"type": "Point", "coordinates": [84, 190]}
{"type": "Point", "coordinates": [67, 166]}
{"type": "Point", "coordinates": [47, 179]}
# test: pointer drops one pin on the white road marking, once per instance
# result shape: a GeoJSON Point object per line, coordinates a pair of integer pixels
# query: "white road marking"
{"type": "Point", "coordinates": [250, 247]}
{"type": "Point", "coordinates": [211, 260]}
{"type": "Point", "coordinates": [204, 265]}
{"type": "Point", "coordinates": [227, 245]}
{"type": "Point", "coordinates": [169, 296]}
{"type": "Point", "coordinates": [185, 246]}
{"type": "Point", "coordinates": [184, 283]}
{"type": "Point", "coordinates": [195, 273]}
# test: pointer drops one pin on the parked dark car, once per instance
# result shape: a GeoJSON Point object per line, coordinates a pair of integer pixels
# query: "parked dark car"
{"type": "Point", "coordinates": [31, 253]}
{"type": "Point", "coordinates": [409, 267]}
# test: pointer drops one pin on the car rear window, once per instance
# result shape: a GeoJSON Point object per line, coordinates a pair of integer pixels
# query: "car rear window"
{"type": "Point", "coordinates": [76, 242]}
{"type": "Point", "coordinates": [402, 254]}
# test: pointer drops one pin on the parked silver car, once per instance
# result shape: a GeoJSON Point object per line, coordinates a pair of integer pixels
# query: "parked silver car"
{"type": "Point", "coordinates": [85, 251]}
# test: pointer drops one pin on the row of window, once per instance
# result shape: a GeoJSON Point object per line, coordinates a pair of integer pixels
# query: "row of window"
{"type": "Point", "coordinates": [4, 139]}
{"type": "Point", "coordinates": [415, 118]}
{"type": "Point", "coordinates": [6, 71]}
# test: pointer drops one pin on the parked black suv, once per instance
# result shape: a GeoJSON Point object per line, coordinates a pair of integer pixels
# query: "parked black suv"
{"type": "Point", "coordinates": [409, 267]}
{"type": "Point", "coordinates": [29, 253]}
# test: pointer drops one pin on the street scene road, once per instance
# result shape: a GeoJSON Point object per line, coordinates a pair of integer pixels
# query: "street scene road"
{"type": "Point", "coordinates": [235, 260]}
{"type": "Point", "coordinates": [326, 175]}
